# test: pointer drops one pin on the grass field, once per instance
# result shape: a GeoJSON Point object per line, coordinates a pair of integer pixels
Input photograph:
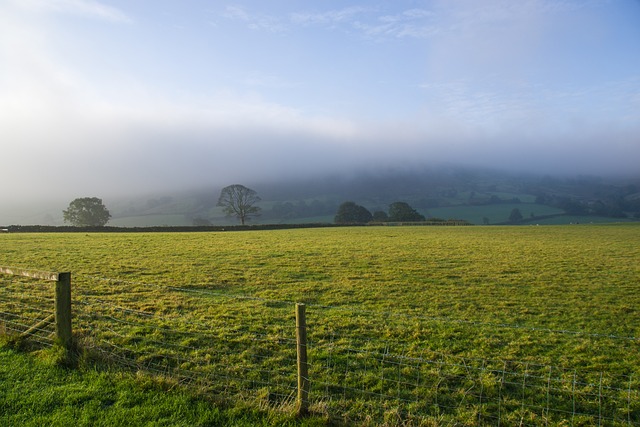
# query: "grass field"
{"type": "Point", "coordinates": [490, 323]}
{"type": "Point", "coordinates": [496, 213]}
{"type": "Point", "coordinates": [35, 393]}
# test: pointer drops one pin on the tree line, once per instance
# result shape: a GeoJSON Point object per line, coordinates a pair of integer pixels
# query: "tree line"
{"type": "Point", "coordinates": [352, 213]}
{"type": "Point", "coordinates": [240, 202]}
{"type": "Point", "coordinates": [236, 200]}
{"type": "Point", "coordinates": [612, 205]}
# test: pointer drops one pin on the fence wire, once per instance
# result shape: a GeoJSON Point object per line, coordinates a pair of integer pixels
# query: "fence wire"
{"type": "Point", "coordinates": [474, 391]}
{"type": "Point", "coordinates": [233, 354]}
{"type": "Point", "coordinates": [27, 309]}
{"type": "Point", "coordinates": [371, 362]}
{"type": "Point", "coordinates": [366, 369]}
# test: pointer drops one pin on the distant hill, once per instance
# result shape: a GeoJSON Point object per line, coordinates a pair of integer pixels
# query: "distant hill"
{"type": "Point", "coordinates": [479, 196]}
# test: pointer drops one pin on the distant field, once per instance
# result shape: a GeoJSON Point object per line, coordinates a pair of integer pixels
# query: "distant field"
{"type": "Point", "coordinates": [150, 221]}
{"type": "Point", "coordinates": [496, 213]}
{"type": "Point", "coordinates": [548, 299]}
{"type": "Point", "coordinates": [580, 219]}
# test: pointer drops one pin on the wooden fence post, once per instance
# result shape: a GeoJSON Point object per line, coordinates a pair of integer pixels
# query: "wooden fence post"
{"type": "Point", "coordinates": [63, 310]}
{"type": "Point", "coordinates": [302, 404]}
{"type": "Point", "coordinates": [62, 301]}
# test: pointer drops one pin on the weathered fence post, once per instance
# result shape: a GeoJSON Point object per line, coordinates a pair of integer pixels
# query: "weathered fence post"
{"type": "Point", "coordinates": [62, 302]}
{"type": "Point", "coordinates": [302, 404]}
{"type": "Point", "coordinates": [63, 310]}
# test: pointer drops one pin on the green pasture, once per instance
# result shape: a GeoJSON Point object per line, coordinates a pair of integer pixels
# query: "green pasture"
{"type": "Point", "coordinates": [495, 213]}
{"type": "Point", "coordinates": [33, 392]}
{"type": "Point", "coordinates": [560, 301]}
{"type": "Point", "coordinates": [151, 220]}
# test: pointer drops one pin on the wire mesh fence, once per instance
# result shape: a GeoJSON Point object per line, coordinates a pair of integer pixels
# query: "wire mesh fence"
{"type": "Point", "coordinates": [372, 365]}
{"type": "Point", "coordinates": [363, 366]}
{"type": "Point", "coordinates": [27, 309]}
{"type": "Point", "coordinates": [234, 354]}
{"type": "Point", "coordinates": [472, 391]}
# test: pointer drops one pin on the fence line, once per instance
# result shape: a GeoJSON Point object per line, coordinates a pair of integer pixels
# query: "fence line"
{"type": "Point", "coordinates": [26, 309]}
{"type": "Point", "coordinates": [488, 389]}
{"type": "Point", "coordinates": [350, 374]}
{"type": "Point", "coordinates": [62, 306]}
{"type": "Point", "coordinates": [230, 359]}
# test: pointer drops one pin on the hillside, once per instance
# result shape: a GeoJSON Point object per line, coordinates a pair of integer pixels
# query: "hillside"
{"type": "Point", "coordinates": [478, 196]}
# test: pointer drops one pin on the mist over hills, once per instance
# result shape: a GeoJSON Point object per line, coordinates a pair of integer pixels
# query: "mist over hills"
{"type": "Point", "coordinates": [147, 106]}
{"type": "Point", "coordinates": [480, 196]}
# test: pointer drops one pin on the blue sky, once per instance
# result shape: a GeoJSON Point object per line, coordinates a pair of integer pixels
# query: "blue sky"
{"type": "Point", "coordinates": [104, 97]}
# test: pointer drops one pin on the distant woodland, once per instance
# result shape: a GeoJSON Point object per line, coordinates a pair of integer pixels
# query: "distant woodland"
{"type": "Point", "coordinates": [482, 197]}
{"type": "Point", "coordinates": [478, 196]}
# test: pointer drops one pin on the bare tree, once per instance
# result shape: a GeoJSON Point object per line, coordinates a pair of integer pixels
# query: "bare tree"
{"type": "Point", "coordinates": [238, 200]}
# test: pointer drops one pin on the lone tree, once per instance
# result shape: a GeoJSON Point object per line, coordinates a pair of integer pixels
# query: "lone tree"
{"type": "Point", "coordinates": [515, 215]}
{"type": "Point", "coordinates": [351, 213]}
{"type": "Point", "coordinates": [401, 211]}
{"type": "Point", "coordinates": [86, 212]}
{"type": "Point", "coordinates": [238, 200]}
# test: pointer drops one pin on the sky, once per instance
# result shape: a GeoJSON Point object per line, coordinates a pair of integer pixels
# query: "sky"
{"type": "Point", "coordinates": [106, 97]}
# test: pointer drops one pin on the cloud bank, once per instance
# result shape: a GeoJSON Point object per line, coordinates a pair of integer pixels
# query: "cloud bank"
{"type": "Point", "coordinates": [472, 100]}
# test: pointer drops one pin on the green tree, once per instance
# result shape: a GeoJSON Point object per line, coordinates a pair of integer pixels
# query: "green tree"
{"type": "Point", "coordinates": [402, 212]}
{"type": "Point", "coordinates": [351, 213]}
{"type": "Point", "coordinates": [515, 216]}
{"type": "Point", "coordinates": [238, 200]}
{"type": "Point", "coordinates": [86, 212]}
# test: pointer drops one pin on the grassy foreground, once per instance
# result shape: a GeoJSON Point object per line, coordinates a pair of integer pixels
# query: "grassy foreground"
{"type": "Point", "coordinates": [36, 392]}
{"type": "Point", "coordinates": [452, 324]}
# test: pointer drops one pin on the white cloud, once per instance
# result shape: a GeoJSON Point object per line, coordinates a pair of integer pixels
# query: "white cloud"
{"type": "Point", "coordinates": [88, 8]}
{"type": "Point", "coordinates": [412, 23]}
{"type": "Point", "coordinates": [329, 18]}
{"type": "Point", "coordinates": [372, 22]}
{"type": "Point", "coordinates": [254, 21]}
{"type": "Point", "coordinates": [66, 133]}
